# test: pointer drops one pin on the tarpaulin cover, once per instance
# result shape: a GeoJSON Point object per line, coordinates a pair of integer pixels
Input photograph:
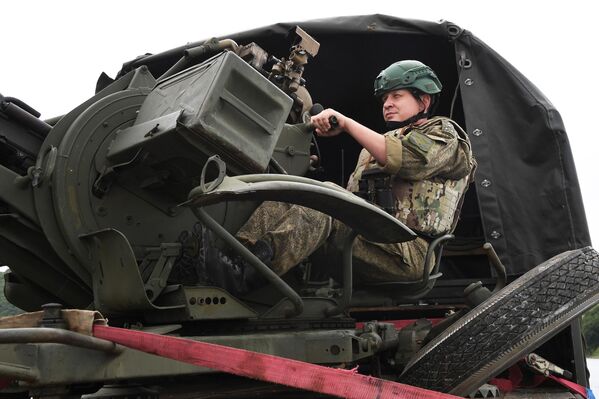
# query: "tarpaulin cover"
{"type": "Point", "coordinates": [526, 200]}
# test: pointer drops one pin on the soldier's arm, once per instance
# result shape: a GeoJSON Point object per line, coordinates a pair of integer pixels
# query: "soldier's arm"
{"type": "Point", "coordinates": [435, 151]}
{"type": "Point", "coordinates": [372, 141]}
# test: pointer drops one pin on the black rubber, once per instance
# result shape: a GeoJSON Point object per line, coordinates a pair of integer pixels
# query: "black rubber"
{"type": "Point", "coordinates": [501, 330]}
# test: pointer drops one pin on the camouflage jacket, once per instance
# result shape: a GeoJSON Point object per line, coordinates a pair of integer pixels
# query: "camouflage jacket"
{"type": "Point", "coordinates": [431, 165]}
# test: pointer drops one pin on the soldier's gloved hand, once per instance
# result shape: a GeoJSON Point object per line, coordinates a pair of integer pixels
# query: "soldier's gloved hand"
{"type": "Point", "coordinates": [324, 121]}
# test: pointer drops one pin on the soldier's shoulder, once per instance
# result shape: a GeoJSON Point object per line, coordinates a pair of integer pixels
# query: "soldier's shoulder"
{"type": "Point", "coordinates": [394, 133]}
{"type": "Point", "coordinates": [439, 126]}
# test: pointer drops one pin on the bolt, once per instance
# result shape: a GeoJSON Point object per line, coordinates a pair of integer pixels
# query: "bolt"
{"type": "Point", "coordinates": [335, 350]}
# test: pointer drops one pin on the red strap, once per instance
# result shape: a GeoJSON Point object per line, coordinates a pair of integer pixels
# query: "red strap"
{"type": "Point", "coordinates": [274, 369]}
{"type": "Point", "coordinates": [572, 386]}
{"type": "Point", "coordinates": [515, 381]}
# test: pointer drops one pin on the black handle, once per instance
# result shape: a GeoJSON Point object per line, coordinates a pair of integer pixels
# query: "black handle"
{"type": "Point", "coordinates": [317, 109]}
{"type": "Point", "coordinates": [334, 122]}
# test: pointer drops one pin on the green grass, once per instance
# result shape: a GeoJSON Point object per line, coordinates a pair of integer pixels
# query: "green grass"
{"type": "Point", "coordinates": [594, 354]}
{"type": "Point", "coordinates": [590, 330]}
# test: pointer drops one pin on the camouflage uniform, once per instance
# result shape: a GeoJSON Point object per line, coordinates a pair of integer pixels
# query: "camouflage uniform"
{"type": "Point", "coordinates": [432, 165]}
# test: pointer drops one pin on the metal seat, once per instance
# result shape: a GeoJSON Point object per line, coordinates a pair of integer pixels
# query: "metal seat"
{"type": "Point", "coordinates": [410, 290]}
{"type": "Point", "coordinates": [362, 217]}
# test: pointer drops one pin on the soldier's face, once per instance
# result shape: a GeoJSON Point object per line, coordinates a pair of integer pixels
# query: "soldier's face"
{"type": "Point", "coordinates": [399, 105]}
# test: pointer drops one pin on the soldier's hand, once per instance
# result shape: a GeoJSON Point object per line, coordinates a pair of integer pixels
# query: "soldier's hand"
{"type": "Point", "coordinates": [324, 123]}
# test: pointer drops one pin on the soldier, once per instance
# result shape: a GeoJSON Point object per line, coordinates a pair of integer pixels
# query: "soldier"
{"type": "Point", "coordinates": [430, 162]}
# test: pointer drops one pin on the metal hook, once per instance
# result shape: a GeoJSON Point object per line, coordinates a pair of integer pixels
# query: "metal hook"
{"type": "Point", "coordinates": [222, 169]}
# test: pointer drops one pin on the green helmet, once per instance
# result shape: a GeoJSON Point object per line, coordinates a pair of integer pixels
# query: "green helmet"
{"type": "Point", "coordinates": [407, 74]}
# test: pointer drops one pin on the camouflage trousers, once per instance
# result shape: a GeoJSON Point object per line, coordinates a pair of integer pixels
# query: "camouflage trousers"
{"type": "Point", "coordinates": [295, 232]}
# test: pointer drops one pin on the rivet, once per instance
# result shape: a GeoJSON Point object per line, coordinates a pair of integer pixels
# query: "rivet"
{"type": "Point", "coordinates": [335, 349]}
{"type": "Point", "coordinates": [495, 234]}
{"type": "Point", "coordinates": [468, 82]}
{"type": "Point", "coordinates": [485, 183]}
{"type": "Point", "coordinates": [453, 30]}
{"type": "Point", "coordinates": [465, 63]}
{"type": "Point", "coordinates": [477, 132]}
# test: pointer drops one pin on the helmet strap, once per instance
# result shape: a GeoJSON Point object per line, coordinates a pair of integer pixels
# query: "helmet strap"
{"type": "Point", "coordinates": [394, 125]}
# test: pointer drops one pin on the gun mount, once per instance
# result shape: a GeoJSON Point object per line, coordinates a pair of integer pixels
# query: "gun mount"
{"type": "Point", "coordinates": [136, 149]}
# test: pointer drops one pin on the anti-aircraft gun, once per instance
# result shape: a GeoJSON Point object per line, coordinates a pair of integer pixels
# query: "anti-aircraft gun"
{"type": "Point", "coordinates": [115, 205]}
{"type": "Point", "coordinates": [139, 161]}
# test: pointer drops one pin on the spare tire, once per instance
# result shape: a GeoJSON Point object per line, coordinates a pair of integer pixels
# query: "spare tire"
{"type": "Point", "coordinates": [511, 323]}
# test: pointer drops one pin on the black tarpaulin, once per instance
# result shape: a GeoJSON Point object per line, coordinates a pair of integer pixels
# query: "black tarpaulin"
{"type": "Point", "coordinates": [527, 201]}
